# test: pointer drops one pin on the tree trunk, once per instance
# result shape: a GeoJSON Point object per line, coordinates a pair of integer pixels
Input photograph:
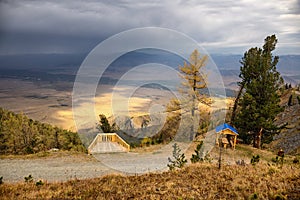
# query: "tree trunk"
{"type": "Point", "coordinates": [257, 139]}
{"type": "Point", "coordinates": [192, 121]}
{"type": "Point", "coordinates": [57, 145]}
{"type": "Point", "coordinates": [193, 110]}
{"type": "Point", "coordinates": [236, 103]}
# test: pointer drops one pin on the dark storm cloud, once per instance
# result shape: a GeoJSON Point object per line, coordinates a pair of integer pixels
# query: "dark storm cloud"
{"type": "Point", "coordinates": [77, 26]}
{"type": "Point", "coordinates": [42, 26]}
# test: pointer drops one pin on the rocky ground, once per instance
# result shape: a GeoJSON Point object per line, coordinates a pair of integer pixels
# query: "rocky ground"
{"type": "Point", "coordinates": [289, 138]}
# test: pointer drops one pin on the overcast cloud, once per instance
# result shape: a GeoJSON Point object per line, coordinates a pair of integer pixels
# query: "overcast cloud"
{"type": "Point", "coordinates": [72, 26]}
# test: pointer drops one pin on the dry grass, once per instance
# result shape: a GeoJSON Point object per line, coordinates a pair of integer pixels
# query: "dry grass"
{"type": "Point", "coordinates": [49, 155]}
{"type": "Point", "coordinates": [144, 149]}
{"type": "Point", "coordinates": [198, 181]}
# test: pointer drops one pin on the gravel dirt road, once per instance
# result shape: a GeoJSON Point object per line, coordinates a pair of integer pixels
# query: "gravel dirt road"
{"type": "Point", "coordinates": [66, 166]}
{"type": "Point", "coordinates": [52, 169]}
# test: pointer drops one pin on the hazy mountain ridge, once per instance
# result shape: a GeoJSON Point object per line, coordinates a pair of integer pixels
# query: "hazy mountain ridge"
{"type": "Point", "coordinates": [63, 67]}
{"type": "Point", "coordinates": [287, 63]}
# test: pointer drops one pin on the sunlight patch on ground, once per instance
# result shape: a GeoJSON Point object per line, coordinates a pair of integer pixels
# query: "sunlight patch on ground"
{"type": "Point", "coordinates": [109, 104]}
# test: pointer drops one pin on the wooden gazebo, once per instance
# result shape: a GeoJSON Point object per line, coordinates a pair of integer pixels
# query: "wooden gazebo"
{"type": "Point", "coordinates": [227, 135]}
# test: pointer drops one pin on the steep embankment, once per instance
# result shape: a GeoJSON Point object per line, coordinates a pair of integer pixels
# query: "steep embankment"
{"type": "Point", "coordinates": [289, 138]}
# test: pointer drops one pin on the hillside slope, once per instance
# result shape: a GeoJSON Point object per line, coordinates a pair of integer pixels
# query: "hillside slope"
{"type": "Point", "coordinates": [21, 135]}
{"type": "Point", "coordinates": [289, 138]}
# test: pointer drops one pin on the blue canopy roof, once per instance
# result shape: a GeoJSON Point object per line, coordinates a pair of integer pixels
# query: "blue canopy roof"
{"type": "Point", "coordinates": [226, 126]}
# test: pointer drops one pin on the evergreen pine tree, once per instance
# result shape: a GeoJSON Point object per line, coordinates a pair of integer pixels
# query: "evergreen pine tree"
{"type": "Point", "coordinates": [197, 156]}
{"type": "Point", "coordinates": [179, 158]}
{"type": "Point", "coordinates": [259, 99]}
{"type": "Point", "coordinates": [104, 124]}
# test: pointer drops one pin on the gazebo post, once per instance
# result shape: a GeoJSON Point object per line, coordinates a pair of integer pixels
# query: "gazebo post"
{"type": "Point", "coordinates": [234, 142]}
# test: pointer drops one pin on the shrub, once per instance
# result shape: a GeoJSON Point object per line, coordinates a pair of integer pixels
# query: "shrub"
{"type": "Point", "coordinates": [296, 160]}
{"type": "Point", "coordinates": [28, 179]}
{"type": "Point", "coordinates": [39, 183]}
{"type": "Point", "coordinates": [254, 196]}
{"type": "Point", "coordinates": [196, 157]}
{"type": "Point", "coordinates": [255, 159]}
{"type": "Point", "coordinates": [179, 157]}
{"type": "Point", "coordinates": [279, 197]}
{"type": "Point", "coordinates": [134, 144]}
{"type": "Point", "coordinates": [146, 141]}
{"type": "Point", "coordinates": [275, 160]}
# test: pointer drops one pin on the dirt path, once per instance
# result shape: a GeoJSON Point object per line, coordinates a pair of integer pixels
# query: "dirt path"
{"type": "Point", "coordinates": [63, 167]}
{"type": "Point", "coordinates": [52, 169]}
{"type": "Point", "coordinates": [66, 167]}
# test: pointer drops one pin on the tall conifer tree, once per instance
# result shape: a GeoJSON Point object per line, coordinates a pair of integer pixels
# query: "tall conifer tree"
{"type": "Point", "coordinates": [259, 94]}
{"type": "Point", "coordinates": [193, 80]}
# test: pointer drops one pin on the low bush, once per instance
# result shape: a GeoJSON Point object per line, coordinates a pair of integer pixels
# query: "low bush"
{"type": "Point", "coordinates": [255, 159]}
{"type": "Point", "coordinates": [179, 158]}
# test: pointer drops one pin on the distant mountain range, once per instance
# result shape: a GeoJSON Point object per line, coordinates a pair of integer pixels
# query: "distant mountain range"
{"type": "Point", "coordinates": [63, 67]}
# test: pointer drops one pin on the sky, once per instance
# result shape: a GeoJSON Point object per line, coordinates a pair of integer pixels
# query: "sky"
{"type": "Point", "coordinates": [77, 26]}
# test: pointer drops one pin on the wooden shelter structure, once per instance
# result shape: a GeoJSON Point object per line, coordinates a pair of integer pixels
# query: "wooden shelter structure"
{"type": "Point", "coordinates": [108, 143]}
{"type": "Point", "coordinates": [226, 135]}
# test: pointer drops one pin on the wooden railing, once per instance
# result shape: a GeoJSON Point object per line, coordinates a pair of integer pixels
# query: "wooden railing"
{"type": "Point", "coordinates": [109, 137]}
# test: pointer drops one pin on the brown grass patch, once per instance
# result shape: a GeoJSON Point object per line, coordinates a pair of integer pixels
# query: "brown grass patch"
{"type": "Point", "coordinates": [198, 181]}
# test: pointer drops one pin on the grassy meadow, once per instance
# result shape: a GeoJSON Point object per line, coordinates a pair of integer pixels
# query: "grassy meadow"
{"type": "Point", "coordinates": [196, 181]}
